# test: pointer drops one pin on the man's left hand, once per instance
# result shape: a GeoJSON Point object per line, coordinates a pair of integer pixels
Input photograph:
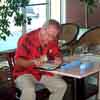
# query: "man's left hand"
{"type": "Point", "coordinates": [58, 60]}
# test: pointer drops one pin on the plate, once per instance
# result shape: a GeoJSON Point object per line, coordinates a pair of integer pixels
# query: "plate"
{"type": "Point", "coordinates": [49, 66]}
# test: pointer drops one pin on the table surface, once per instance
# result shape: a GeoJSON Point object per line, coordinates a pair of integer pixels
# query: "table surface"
{"type": "Point", "coordinates": [8, 51]}
{"type": "Point", "coordinates": [77, 72]}
{"type": "Point", "coordinates": [78, 75]}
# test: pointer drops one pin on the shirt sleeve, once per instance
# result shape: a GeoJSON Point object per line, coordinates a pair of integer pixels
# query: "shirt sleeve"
{"type": "Point", "coordinates": [22, 49]}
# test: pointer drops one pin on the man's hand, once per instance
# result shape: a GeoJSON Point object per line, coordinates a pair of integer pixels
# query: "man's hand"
{"type": "Point", "coordinates": [58, 60]}
{"type": "Point", "coordinates": [38, 62]}
{"type": "Point", "coordinates": [44, 58]}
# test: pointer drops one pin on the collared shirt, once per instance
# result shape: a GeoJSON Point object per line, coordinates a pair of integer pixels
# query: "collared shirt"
{"type": "Point", "coordinates": [29, 48]}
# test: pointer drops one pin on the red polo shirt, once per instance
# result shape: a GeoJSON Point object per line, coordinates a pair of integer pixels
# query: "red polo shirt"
{"type": "Point", "coordinates": [29, 48]}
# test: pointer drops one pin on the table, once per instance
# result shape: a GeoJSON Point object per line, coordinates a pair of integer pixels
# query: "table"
{"type": "Point", "coordinates": [8, 54]}
{"type": "Point", "coordinates": [78, 77]}
{"type": "Point", "coordinates": [8, 47]}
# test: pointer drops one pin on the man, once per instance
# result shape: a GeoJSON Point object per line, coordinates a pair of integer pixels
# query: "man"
{"type": "Point", "coordinates": [34, 49]}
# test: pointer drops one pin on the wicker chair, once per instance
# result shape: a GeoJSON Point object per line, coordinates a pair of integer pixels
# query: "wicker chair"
{"type": "Point", "coordinates": [91, 36]}
{"type": "Point", "coordinates": [90, 40]}
{"type": "Point", "coordinates": [69, 34]}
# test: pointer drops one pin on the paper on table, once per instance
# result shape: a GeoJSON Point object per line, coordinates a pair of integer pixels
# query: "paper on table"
{"type": "Point", "coordinates": [49, 66]}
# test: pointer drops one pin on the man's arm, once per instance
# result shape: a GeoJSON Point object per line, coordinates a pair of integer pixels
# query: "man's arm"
{"type": "Point", "coordinates": [23, 55]}
{"type": "Point", "coordinates": [25, 63]}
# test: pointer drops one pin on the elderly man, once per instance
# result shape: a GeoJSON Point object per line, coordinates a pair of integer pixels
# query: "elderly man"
{"type": "Point", "coordinates": [34, 49]}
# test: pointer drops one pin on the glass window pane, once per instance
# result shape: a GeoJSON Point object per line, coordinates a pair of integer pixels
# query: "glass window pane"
{"type": "Point", "coordinates": [13, 28]}
{"type": "Point", "coordinates": [16, 32]}
{"type": "Point", "coordinates": [37, 1]}
{"type": "Point", "coordinates": [11, 41]}
{"type": "Point", "coordinates": [38, 16]}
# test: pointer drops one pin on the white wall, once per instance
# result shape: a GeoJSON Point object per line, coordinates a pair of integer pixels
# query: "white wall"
{"type": "Point", "coordinates": [58, 10]}
{"type": "Point", "coordinates": [55, 9]}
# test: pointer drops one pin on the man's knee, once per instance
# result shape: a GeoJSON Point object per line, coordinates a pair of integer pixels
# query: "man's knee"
{"type": "Point", "coordinates": [61, 86]}
{"type": "Point", "coordinates": [28, 90]}
{"type": "Point", "coordinates": [28, 94]}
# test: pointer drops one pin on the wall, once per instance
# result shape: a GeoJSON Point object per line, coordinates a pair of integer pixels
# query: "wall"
{"type": "Point", "coordinates": [55, 8]}
{"type": "Point", "coordinates": [75, 12]}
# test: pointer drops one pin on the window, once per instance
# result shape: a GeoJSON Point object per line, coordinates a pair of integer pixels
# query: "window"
{"type": "Point", "coordinates": [58, 10]}
{"type": "Point", "coordinates": [38, 16]}
{"type": "Point", "coordinates": [37, 11]}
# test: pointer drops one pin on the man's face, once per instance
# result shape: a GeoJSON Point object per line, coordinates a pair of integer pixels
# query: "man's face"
{"type": "Point", "coordinates": [52, 32]}
{"type": "Point", "coordinates": [49, 34]}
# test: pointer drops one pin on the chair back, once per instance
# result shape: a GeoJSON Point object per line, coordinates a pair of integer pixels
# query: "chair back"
{"type": "Point", "coordinates": [69, 35]}
{"type": "Point", "coordinates": [92, 36]}
{"type": "Point", "coordinates": [69, 32]}
{"type": "Point", "coordinates": [90, 41]}
{"type": "Point", "coordinates": [11, 59]}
